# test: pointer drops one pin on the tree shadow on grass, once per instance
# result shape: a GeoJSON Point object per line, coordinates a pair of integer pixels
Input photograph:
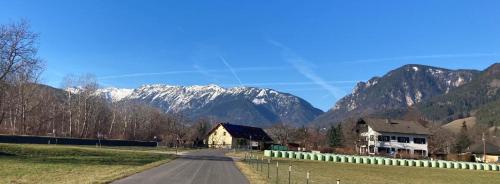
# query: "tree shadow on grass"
{"type": "Point", "coordinates": [90, 160]}
{"type": "Point", "coordinates": [6, 154]}
{"type": "Point", "coordinates": [205, 157]}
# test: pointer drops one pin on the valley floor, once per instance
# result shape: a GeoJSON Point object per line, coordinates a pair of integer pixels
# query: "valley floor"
{"type": "Point", "coordinates": [25, 163]}
{"type": "Point", "coordinates": [328, 172]}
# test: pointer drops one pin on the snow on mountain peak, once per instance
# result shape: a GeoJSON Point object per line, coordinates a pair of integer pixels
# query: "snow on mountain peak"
{"type": "Point", "coordinates": [178, 98]}
{"type": "Point", "coordinates": [115, 94]}
{"type": "Point", "coordinates": [214, 100]}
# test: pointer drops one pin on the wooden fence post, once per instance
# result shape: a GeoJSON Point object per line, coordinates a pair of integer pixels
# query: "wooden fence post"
{"type": "Point", "coordinates": [307, 178]}
{"type": "Point", "coordinates": [277, 172]}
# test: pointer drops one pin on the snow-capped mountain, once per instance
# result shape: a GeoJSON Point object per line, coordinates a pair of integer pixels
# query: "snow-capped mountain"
{"type": "Point", "coordinates": [397, 90]}
{"type": "Point", "coordinates": [244, 105]}
{"type": "Point", "coordinates": [115, 94]}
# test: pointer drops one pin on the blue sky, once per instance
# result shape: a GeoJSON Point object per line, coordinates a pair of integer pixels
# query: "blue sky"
{"type": "Point", "coordinates": [314, 50]}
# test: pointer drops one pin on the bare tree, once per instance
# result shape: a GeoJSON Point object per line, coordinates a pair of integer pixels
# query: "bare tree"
{"type": "Point", "coordinates": [280, 132]}
{"type": "Point", "coordinates": [27, 107]}
{"type": "Point", "coordinates": [19, 67]}
{"type": "Point", "coordinates": [18, 49]}
{"type": "Point", "coordinates": [199, 131]}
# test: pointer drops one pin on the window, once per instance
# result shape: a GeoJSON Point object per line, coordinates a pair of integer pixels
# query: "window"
{"type": "Point", "coordinates": [383, 150]}
{"type": "Point", "coordinates": [393, 138]}
{"type": "Point", "coordinates": [215, 133]}
{"type": "Point", "coordinates": [419, 152]}
{"type": "Point", "coordinates": [379, 138]}
{"type": "Point", "coordinates": [387, 138]}
{"type": "Point", "coordinates": [213, 142]}
{"type": "Point", "coordinates": [224, 133]}
{"type": "Point", "coordinates": [384, 138]}
{"type": "Point", "coordinates": [371, 149]}
{"type": "Point", "coordinates": [419, 140]}
{"type": "Point", "coordinates": [404, 139]}
{"type": "Point", "coordinates": [372, 138]}
{"type": "Point", "coordinates": [403, 151]}
{"type": "Point", "coordinates": [223, 143]}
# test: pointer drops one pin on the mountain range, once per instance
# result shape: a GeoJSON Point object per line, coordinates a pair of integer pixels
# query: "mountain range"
{"type": "Point", "coordinates": [396, 91]}
{"type": "Point", "coordinates": [433, 93]}
{"type": "Point", "coordinates": [242, 105]}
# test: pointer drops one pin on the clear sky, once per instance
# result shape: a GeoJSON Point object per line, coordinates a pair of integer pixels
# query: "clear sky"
{"type": "Point", "coordinates": [314, 49]}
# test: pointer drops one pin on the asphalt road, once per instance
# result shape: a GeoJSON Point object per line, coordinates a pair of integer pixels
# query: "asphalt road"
{"type": "Point", "coordinates": [199, 167]}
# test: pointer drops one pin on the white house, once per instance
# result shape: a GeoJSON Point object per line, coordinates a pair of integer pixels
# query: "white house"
{"type": "Point", "coordinates": [384, 136]}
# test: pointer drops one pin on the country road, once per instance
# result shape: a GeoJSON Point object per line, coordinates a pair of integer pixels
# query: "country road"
{"type": "Point", "coordinates": [199, 167]}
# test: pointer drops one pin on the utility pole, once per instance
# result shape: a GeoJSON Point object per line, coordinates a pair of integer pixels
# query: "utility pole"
{"type": "Point", "coordinates": [251, 144]}
{"type": "Point", "coordinates": [484, 148]}
{"type": "Point", "coordinates": [177, 145]}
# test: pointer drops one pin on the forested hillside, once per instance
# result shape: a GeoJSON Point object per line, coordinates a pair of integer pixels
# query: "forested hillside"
{"type": "Point", "coordinates": [480, 97]}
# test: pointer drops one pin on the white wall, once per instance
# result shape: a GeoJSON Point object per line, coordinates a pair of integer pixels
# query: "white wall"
{"type": "Point", "coordinates": [217, 139]}
{"type": "Point", "coordinates": [394, 143]}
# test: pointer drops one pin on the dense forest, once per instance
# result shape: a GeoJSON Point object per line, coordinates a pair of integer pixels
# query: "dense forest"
{"type": "Point", "coordinates": [477, 98]}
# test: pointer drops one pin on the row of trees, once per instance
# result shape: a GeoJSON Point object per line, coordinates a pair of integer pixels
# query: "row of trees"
{"type": "Point", "coordinates": [28, 108]}
{"type": "Point", "coordinates": [313, 138]}
{"type": "Point", "coordinates": [343, 138]}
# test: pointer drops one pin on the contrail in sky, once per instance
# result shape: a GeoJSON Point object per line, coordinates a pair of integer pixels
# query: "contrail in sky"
{"type": "Point", "coordinates": [175, 72]}
{"type": "Point", "coordinates": [231, 69]}
{"type": "Point", "coordinates": [305, 68]}
{"type": "Point", "coordinates": [204, 72]}
{"type": "Point", "coordinates": [129, 75]}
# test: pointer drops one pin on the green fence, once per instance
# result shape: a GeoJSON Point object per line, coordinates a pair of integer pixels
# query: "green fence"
{"type": "Point", "coordinates": [279, 148]}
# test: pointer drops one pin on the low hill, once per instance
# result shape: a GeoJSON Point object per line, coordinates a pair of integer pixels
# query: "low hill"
{"type": "Point", "coordinates": [456, 126]}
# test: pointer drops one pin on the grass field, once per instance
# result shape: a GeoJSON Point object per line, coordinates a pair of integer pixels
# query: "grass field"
{"type": "Point", "coordinates": [25, 163]}
{"type": "Point", "coordinates": [328, 172]}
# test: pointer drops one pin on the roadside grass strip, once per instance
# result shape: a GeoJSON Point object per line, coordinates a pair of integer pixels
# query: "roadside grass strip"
{"type": "Point", "coordinates": [348, 169]}
{"type": "Point", "coordinates": [26, 163]}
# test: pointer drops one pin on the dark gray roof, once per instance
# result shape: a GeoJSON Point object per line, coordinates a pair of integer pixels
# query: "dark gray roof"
{"type": "Point", "coordinates": [491, 149]}
{"type": "Point", "coordinates": [245, 132]}
{"type": "Point", "coordinates": [395, 126]}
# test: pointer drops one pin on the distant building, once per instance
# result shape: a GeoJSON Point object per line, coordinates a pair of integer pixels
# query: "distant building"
{"type": "Point", "coordinates": [230, 136]}
{"type": "Point", "coordinates": [384, 136]}
{"type": "Point", "coordinates": [492, 152]}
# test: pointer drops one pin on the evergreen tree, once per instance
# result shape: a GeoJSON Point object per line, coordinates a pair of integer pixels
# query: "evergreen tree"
{"type": "Point", "coordinates": [463, 141]}
{"type": "Point", "coordinates": [335, 136]}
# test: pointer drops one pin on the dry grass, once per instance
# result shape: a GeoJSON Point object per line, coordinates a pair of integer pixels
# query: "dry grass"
{"type": "Point", "coordinates": [72, 164]}
{"type": "Point", "coordinates": [253, 176]}
{"type": "Point", "coordinates": [456, 126]}
{"type": "Point", "coordinates": [328, 172]}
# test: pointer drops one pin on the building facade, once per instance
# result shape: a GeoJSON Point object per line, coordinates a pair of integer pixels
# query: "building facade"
{"type": "Point", "coordinates": [231, 136]}
{"type": "Point", "coordinates": [389, 137]}
{"type": "Point", "coordinates": [219, 138]}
